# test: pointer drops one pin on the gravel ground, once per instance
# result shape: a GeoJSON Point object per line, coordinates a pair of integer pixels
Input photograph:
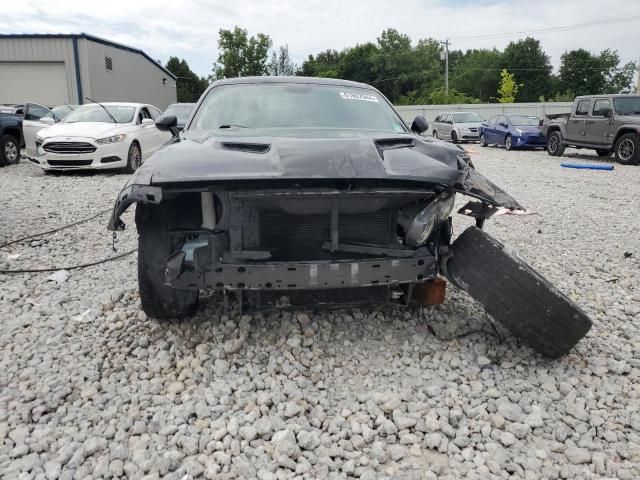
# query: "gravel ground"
{"type": "Point", "coordinates": [91, 388]}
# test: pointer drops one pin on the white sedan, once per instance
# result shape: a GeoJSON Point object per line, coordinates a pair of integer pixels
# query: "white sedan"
{"type": "Point", "coordinates": [101, 136]}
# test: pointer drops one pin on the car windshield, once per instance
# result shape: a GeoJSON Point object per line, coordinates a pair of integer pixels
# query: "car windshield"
{"type": "Point", "coordinates": [627, 105]}
{"type": "Point", "coordinates": [181, 112]}
{"type": "Point", "coordinates": [295, 105]}
{"type": "Point", "coordinates": [524, 120]}
{"type": "Point", "coordinates": [466, 117]}
{"type": "Point", "coordinates": [95, 113]}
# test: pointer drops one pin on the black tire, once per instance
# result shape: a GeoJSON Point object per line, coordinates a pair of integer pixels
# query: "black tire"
{"type": "Point", "coordinates": [627, 149]}
{"type": "Point", "coordinates": [134, 157]}
{"type": "Point", "coordinates": [9, 150]}
{"type": "Point", "coordinates": [454, 136]}
{"type": "Point", "coordinates": [516, 295]}
{"type": "Point", "coordinates": [508, 142]}
{"type": "Point", "coordinates": [483, 141]}
{"type": "Point", "coordinates": [154, 246]}
{"type": "Point", "coordinates": [603, 153]}
{"type": "Point", "coordinates": [555, 147]}
{"type": "Point", "coordinates": [435, 134]}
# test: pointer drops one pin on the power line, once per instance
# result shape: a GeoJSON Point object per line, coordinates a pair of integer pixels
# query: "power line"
{"type": "Point", "coordinates": [550, 29]}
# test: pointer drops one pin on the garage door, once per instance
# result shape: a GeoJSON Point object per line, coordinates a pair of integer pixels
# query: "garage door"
{"type": "Point", "coordinates": [39, 82]}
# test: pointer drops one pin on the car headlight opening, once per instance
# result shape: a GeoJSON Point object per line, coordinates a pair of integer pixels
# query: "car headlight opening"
{"type": "Point", "coordinates": [112, 139]}
{"type": "Point", "coordinates": [419, 221]}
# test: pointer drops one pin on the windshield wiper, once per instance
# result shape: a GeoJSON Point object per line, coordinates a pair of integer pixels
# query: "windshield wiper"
{"type": "Point", "coordinates": [231, 125]}
{"type": "Point", "coordinates": [105, 109]}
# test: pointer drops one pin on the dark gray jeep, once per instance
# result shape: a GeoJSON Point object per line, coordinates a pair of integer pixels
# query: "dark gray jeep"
{"type": "Point", "coordinates": [308, 192]}
{"type": "Point", "coordinates": [605, 123]}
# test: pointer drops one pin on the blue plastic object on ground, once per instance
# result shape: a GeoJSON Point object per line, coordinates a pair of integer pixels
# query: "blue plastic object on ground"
{"type": "Point", "coordinates": [587, 166]}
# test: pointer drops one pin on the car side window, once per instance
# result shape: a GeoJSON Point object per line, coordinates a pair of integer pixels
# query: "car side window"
{"type": "Point", "coordinates": [583, 107]}
{"type": "Point", "coordinates": [447, 119]}
{"type": "Point", "coordinates": [492, 120]}
{"type": "Point", "coordinates": [36, 112]}
{"type": "Point", "coordinates": [503, 120]}
{"type": "Point", "coordinates": [142, 114]}
{"type": "Point", "coordinates": [600, 107]}
{"type": "Point", "coordinates": [155, 113]}
{"type": "Point", "coordinates": [437, 118]}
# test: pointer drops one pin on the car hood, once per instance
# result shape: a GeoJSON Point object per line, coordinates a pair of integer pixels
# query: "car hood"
{"type": "Point", "coordinates": [82, 129]}
{"type": "Point", "coordinates": [528, 130]}
{"type": "Point", "coordinates": [469, 124]}
{"type": "Point", "coordinates": [202, 156]}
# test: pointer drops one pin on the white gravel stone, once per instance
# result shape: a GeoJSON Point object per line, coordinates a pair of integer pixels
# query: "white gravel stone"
{"type": "Point", "coordinates": [92, 388]}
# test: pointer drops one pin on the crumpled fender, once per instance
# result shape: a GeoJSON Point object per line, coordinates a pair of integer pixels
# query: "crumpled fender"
{"type": "Point", "coordinates": [132, 194]}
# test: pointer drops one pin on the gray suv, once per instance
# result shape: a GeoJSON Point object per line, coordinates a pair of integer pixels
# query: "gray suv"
{"type": "Point", "coordinates": [457, 126]}
{"type": "Point", "coordinates": [605, 123]}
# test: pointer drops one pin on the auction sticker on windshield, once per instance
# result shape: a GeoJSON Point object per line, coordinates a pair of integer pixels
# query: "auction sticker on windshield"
{"type": "Point", "coordinates": [359, 96]}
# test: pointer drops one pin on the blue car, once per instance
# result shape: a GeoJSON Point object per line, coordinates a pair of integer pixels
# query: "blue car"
{"type": "Point", "coordinates": [512, 131]}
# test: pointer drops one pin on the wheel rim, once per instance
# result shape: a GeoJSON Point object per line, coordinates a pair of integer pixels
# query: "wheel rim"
{"type": "Point", "coordinates": [626, 149]}
{"type": "Point", "coordinates": [482, 139]}
{"type": "Point", "coordinates": [553, 143]}
{"type": "Point", "coordinates": [10, 152]}
{"type": "Point", "coordinates": [134, 157]}
{"type": "Point", "coordinates": [435, 134]}
{"type": "Point", "coordinates": [507, 143]}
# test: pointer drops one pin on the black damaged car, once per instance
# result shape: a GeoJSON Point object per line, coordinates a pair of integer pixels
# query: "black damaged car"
{"type": "Point", "coordinates": [293, 191]}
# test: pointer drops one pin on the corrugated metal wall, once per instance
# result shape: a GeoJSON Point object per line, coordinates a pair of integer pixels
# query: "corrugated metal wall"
{"type": "Point", "coordinates": [485, 110]}
{"type": "Point", "coordinates": [41, 50]}
{"type": "Point", "coordinates": [133, 78]}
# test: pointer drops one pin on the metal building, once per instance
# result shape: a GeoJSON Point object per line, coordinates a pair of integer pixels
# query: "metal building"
{"type": "Point", "coordinates": [52, 69]}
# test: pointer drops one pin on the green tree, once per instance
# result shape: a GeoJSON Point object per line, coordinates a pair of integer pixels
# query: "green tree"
{"type": "Point", "coordinates": [584, 73]}
{"type": "Point", "coordinates": [280, 63]}
{"type": "Point", "coordinates": [508, 89]}
{"type": "Point", "coordinates": [531, 68]}
{"type": "Point", "coordinates": [476, 72]}
{"type": "Point", "coordinates": [325, 64]}
{"type": "Point", "coordinates": [241, 55]}
{"type": "Point", "coordinates": [189, 86]}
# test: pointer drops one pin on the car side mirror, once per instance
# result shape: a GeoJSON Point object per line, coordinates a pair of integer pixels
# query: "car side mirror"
{"type": "Point", "coordinates": [502, 124]}
{"type": "Point", "coordinates": [540, 122]}
{"type": "Point", "coordinates": [47, 120]}
{"type": "Point", "coordinates": [168, 123]}
{"type": "Point", "coordinates": [146, 122]}
{"type": "Point", "coordinates": [419, 125]}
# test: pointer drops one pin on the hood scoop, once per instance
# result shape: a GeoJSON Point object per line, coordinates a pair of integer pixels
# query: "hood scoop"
{"type": "Point", "coordinates": [246, 147]}
{"type": "Point", "coordinates": [383, 144]}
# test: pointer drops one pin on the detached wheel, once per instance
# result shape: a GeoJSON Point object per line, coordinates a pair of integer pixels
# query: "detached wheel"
{"type": "Point", "coordinates": [134, 158]}
{"type": "Point", "coordinates": [603, 153]}
{"type": "Point", "coordinates": [508, 142]}
{"type": "Point", "coordinates": [9, 150]}
{"type": "Point", "coordinates": [154, 247]}
{"type": "Point", "coordinates": [516, 295]}
{"type": "Point", "coordinates": [483, 141]}
{"type": "Point", "coordinates": [555, 148]}
{"type": "Point", "coordinates": [628, 149]}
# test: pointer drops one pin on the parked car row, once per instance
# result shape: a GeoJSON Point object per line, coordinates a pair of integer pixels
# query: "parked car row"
{"type": "Point", "coordinates": [510, 131]}
{"type": "Point", "coordinates": [92, 136]}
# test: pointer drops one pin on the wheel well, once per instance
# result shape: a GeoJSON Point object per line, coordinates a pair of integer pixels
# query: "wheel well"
{"type": "Point", "coordinates": [624, 131]}
{"type": "Point", "coordinates": [14, 132]}
{"type": "Point", "coordinates": [550, 130]}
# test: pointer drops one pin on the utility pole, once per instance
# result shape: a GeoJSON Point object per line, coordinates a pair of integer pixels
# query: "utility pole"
{"type": "Point", "coordinates": [446, 67]}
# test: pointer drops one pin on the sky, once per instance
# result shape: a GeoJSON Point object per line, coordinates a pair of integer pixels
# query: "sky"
{"type": "Point", "coordinates": [189, 28]}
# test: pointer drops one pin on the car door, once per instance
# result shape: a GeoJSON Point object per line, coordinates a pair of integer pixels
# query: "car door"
{"type": "Point", "coordinates": [145, 134]}
{"type": "Point", "coordinates": [598, 124]}
{"type": "Point", "coordinates": [501, 129]}
{"type": "Point", "coordinates": [576, 125]}
{"type": "Point", "coordinates": [31, 125]}
{"type": "Point", "coordinates": [159, 137]}
{"type": "Point", "coordinates": [447, 126]}
{"type": "Point", "coordinates": [487, 129]}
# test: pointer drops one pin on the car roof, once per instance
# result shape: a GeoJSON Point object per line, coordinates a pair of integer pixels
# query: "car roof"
{"type": "Point", "coordinates": [120, 104]}
{"type": "Point", "coordinates": [299, 80]}
{"type": "Point", "coordinates": [616, 95]}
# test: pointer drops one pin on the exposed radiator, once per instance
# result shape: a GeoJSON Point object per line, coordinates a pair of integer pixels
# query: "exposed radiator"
{"type": "Point", "coordinates": [299, 237]}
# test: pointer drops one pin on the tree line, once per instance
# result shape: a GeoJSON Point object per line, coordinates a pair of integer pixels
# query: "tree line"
{"type": "Point", "coordinates": [410, 72]}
